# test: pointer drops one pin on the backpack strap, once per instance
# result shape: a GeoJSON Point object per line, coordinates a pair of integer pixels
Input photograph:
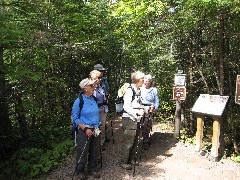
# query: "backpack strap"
{"type": "Point", "coordinates": [81, 101]}
{"type": "Point", "coordinates": [134, 92]}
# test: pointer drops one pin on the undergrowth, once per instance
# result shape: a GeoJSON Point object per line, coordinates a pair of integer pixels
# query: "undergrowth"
{"type": "Point", "coordinates": [31, 162]}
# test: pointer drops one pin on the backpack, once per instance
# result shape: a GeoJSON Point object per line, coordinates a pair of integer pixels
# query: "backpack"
{"type": "Point", "coordinates": [119, 100]}
{"type": "Point", "coordinates": [74, 126]}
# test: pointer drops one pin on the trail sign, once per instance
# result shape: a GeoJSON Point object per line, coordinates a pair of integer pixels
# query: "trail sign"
{"type": "Point", "coordinates": [179, 93]}
{"type": "Point", "coordinates": [237, 96]}
{"type": "Point", "coordinates": [210, 104]}
{"type": "Point", "coordinates": [180, 80]}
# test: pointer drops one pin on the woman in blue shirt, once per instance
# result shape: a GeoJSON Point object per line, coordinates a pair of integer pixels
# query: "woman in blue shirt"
{"type": "Point", "coordinates": [87, 121]}
{"type": "Point", "coordinates": [150, 101]}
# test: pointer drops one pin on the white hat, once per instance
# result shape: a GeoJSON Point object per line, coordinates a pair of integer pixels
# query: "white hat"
{"type": "Point", "coordinates": [86, 82]}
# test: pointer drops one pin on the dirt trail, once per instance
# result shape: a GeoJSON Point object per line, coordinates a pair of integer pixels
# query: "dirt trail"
{"type": "Point", "coordinates": [166, 159]}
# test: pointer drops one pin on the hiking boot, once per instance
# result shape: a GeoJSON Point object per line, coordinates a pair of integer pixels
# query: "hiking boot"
{"type": "Point", "coordinates": [146, 145]}
{"type": "Point", "coordinates": [82, 176]}
{"type": "Point", "coordinates": [126, 166]}
{"type": "Point", "coordinates": [94, 174]}
{"type": "Point", "coordinates": [107, 139]}
{"type": "Point", "coordinates": [103, 148]}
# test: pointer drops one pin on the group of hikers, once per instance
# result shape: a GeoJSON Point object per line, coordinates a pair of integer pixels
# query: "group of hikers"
{"type": "Point", "coordinates": [141, 101]}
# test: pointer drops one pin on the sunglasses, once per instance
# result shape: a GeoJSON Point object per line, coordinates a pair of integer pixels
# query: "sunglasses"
{"type": "Point", "coordinates": [91, 85]}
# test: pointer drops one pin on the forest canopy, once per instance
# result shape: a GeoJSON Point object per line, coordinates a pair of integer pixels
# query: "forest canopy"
{"type": "Point", "coordinates": [48, 46]}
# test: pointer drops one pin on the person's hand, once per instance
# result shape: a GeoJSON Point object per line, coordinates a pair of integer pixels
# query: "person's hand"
{"type": "Point", "coordinates": [140, 112]}
{"type": "Point", "coordinates": [89, 133]}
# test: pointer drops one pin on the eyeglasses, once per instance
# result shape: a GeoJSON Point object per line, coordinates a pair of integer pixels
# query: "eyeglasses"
{"type": "Point", "coordinates": [91, 85]}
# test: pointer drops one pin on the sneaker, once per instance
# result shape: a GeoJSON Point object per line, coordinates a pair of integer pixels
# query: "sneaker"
{"type": "Point", "coordinates": [94, 174]}
{"type": "Point", "coordinates": [126, 166]}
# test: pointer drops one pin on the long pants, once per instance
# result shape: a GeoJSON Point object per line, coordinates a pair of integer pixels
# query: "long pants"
{"type": "Point", "coordinates": [129, 142]}
{"type": "Point", "coordinates": [103, 116]}
{"type": "Point", "coordinates": [88, 150]}
{"type": "Point", "coordinates": [147, 125]}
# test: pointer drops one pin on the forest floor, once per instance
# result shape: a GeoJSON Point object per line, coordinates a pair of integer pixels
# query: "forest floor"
{"type": "Point", "coordinates": [165, 159]}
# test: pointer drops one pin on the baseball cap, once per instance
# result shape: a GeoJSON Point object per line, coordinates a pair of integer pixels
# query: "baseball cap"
{"type": "Point", "coordinates": [86, 82]}
{"type": "Point", "coordinates": [99, 67]}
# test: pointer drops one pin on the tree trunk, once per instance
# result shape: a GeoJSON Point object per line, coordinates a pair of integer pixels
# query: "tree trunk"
{"type": "Point", "coordinates": [222, 38]}
{"type": "Point", "coordinates": [5, 123]}
{"type": "Point", "coordinates": [21, 118]}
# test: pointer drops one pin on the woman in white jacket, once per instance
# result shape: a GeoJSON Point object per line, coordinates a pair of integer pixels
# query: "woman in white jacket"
{"type": "Point", "coordinates": [131, 114]}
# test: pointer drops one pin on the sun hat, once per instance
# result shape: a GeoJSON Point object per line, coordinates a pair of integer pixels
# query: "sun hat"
{"type": "Point", "coordinates": [86, 82]}
{"type": "Point", "coordinates": [99, 67]}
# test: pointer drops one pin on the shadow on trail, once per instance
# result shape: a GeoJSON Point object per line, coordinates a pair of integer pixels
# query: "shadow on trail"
{"type": "Point", "coordinates": [148, 168]}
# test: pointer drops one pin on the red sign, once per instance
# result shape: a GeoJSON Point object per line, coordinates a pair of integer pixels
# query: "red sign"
{"type": "Point", "coordinates": [237, 97]}
{"type": "Point", "coordinates": [179, 93]}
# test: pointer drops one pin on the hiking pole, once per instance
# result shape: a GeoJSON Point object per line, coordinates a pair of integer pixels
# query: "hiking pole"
{"type": "Point", "coordinates": [85, 145]}
{"type": "Point", "coordinates": [138, 133]}
{"type": "Point", "coordinates": [111, 123]}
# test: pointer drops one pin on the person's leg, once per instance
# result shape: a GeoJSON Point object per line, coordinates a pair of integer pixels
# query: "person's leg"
{"type": "Point", "coordinates": [82, 150]}
{"type": "Point", "coordinates": [129, 133]}
{"type": "Point", "coordinates": [103, 116]}
{"type": "Point", "coordinates": [94, 152]}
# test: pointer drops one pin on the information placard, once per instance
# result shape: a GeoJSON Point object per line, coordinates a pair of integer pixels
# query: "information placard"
{"type": "Point", "coordinates": [180, 80]}
{"type": "Point", "coordinates": [210, 104]}
{"type": "Point", "coordinates": [237, 96]}
{"type": "Point", "coordinates": [179, 93]}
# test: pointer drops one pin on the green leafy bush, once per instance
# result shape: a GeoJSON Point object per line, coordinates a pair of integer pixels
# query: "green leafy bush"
{"type": "Point", "coordinates": [236, 159]}
{"type": "Point", "coordinates": [32, 162]}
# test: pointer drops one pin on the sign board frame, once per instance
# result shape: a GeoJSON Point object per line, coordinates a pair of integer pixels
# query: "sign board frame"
{"type": "Point", "coordinates": [210, 104]}
{"type": "Point", "coordinates": [237, 95]}
{"type": "Point", "coordinates": [179, 93]}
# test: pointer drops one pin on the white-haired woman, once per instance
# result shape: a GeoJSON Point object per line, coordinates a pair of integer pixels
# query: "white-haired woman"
{"type": "Point", "coordinates": [150, 101]}
{"type": "Point", "coordinates": [100, 95]}
{"type": "Point", "coordinates": [87, 120]}
{"type": "Point", "coordinates": [132, 113]}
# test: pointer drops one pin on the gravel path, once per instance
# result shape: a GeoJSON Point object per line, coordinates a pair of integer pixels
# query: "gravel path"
{"type": "Point", "coordinates": [166, 159]}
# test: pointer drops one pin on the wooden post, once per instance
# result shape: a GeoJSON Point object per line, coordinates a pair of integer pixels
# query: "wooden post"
{"type": "Point", "coordinates": [177, 119]}
{"type": "Point", "coordinates": [215, 137]}
{"type": "Point", "coordinates": [199, 133]}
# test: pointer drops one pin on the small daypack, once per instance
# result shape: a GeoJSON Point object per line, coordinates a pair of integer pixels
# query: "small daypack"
{"type": "Point", "coordinates": [119, 100]}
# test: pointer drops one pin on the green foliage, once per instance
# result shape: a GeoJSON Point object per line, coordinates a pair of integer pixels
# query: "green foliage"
{"type": "Point", "coordinates": [33, 161]}
{"type": "Point", "coordinates": [236, 158]}
{"type": "Point", "coordinates": [185, 137]}
{"type": "Point", "coordinates": [49, 46]}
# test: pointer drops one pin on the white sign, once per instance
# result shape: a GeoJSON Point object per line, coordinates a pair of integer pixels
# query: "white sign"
{"type": "Point", "coordinates": [180, 80]}
{"type": "Point", "coordinates": [210, 104]}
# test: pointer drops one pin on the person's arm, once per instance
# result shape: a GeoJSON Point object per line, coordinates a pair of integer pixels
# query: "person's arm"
{"type": "Point", "coordinates": [156, 99]}
{"type": "Point", "coordinates": [76, 112]}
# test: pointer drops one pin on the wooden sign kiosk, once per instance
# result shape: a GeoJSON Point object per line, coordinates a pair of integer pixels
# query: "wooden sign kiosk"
{"type": "Point", "coordinates": [209, 105]}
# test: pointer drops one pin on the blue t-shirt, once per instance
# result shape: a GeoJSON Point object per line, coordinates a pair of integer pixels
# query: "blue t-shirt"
{"type": "Point", "coordinates": [89, 114]}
